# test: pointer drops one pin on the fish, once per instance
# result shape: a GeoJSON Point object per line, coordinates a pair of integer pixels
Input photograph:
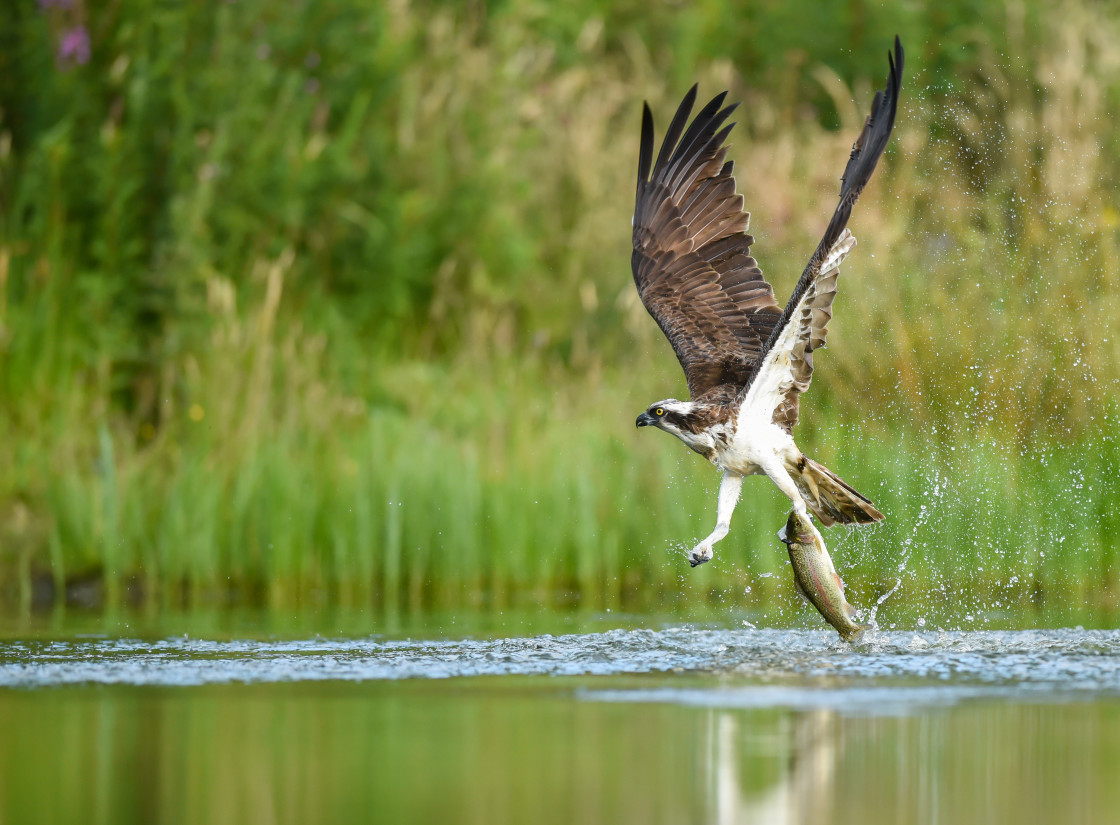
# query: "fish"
{"type": "Point", "coordinates": [816, 577]}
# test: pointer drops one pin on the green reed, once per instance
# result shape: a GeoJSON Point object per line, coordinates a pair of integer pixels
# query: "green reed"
{"type": "Point", "coordinates": [377, 506]}
{"type": "Point", "coordinates": [359, 328]}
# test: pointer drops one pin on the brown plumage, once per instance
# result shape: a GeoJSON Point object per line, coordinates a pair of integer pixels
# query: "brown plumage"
{"type": "Point", "coordinates": [692, 263]}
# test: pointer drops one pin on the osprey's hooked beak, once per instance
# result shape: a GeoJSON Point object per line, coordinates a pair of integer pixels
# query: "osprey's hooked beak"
{"type": "Point", "coordinates": [645, 420]}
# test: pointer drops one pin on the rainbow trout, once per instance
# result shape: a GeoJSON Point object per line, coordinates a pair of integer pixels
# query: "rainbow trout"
{"type": "Point", "coordinates": [816, 577]}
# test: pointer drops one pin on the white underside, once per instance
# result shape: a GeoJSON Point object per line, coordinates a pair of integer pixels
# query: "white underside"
{"type": "Point", "coordinates": [758, 444]}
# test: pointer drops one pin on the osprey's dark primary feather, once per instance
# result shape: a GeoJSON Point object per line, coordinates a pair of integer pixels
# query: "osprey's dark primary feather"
{"type": "Point", "coordinates": [866, 152]}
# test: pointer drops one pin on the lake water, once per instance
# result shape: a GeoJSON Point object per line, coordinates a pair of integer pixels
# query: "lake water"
{"type": "Point", "coordinates": [607, 719]}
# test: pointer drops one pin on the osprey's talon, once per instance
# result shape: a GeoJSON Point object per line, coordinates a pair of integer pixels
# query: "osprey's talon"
{"type": "Point", "coordinates": [699, 555]}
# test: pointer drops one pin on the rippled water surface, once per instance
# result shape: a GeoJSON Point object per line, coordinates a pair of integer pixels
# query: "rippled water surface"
{"type": "Point", "coordinates": [1069, 665]}
{"type": "Point", "coordinates": [670, 723]}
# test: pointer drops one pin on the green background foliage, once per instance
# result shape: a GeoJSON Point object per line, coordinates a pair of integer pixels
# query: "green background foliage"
{"type": "Point", "coordinates": [330, 302]}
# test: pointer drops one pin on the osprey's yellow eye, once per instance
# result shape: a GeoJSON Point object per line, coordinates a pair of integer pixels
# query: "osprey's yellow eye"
{"type": "Point", "coordinates": [659, 411]}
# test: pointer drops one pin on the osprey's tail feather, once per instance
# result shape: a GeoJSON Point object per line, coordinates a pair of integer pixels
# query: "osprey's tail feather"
{"type": "Point", "coordinates": [831, 499]}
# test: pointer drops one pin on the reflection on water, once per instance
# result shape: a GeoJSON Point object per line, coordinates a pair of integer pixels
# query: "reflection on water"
{"type": "Point", "coordinates": [796, 794]}
{"type": "Point", "coordinates": [669, 726]}
{"type": "Point", "coordinates": [516, 750]}
{"type": "Point", "coordinates": [978, 764]}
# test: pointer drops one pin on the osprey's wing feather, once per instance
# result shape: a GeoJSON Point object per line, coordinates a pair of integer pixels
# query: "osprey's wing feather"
{"type": "Point", "coordinates": [786, 364]}
{"type": "Point", "coordinates": [692, 263]}
{"type": "Point", "coordinates": [788, 368]}
{"type": "Point", "coordinates": [866, 152]}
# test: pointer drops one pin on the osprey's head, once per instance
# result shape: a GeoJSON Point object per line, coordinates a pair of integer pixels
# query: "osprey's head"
{"type": "Point", "coordinates": [669, 415]}
{"type": "Point", "coordinates": [681, 419]}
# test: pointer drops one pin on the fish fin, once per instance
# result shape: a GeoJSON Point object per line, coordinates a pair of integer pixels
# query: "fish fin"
{"type": "Point", "coordinates": [801, 591]}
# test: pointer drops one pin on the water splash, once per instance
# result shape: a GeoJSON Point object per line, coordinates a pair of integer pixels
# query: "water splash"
{"type": "Point", "coordinates": [936, 494]}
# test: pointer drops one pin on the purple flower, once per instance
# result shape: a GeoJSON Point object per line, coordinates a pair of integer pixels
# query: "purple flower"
{"type": "Point", "coordinates": [74, 46]}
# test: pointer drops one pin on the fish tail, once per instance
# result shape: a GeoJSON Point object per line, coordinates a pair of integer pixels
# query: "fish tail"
{"type": "Point", "coordinates": [831, 499]}
{"type": "Point", "coordinates": [855, 632]}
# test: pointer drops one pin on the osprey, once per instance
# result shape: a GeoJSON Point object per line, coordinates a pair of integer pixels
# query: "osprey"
{"type": "Point", "coordinates": [746, 360]}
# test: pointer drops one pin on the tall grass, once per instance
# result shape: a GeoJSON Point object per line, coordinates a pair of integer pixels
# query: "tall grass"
{"type": "Point", "coordinates": [358, 327]}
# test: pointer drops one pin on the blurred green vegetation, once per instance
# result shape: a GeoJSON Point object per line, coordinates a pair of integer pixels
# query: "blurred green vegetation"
{"type": "Point", "coordinates": [330, 301]}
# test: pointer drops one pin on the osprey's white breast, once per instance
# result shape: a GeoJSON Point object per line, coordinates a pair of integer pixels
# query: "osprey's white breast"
{"type": "Point", "coordinates": [754, 438]}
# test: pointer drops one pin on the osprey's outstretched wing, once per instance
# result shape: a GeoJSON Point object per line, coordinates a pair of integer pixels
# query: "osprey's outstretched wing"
{"type": "Point", "coordinates": [692, 263]}
{"type": "Point", "coordinates": [786, 363]}
{"type": "Point", "coordinates": [788, 369]}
